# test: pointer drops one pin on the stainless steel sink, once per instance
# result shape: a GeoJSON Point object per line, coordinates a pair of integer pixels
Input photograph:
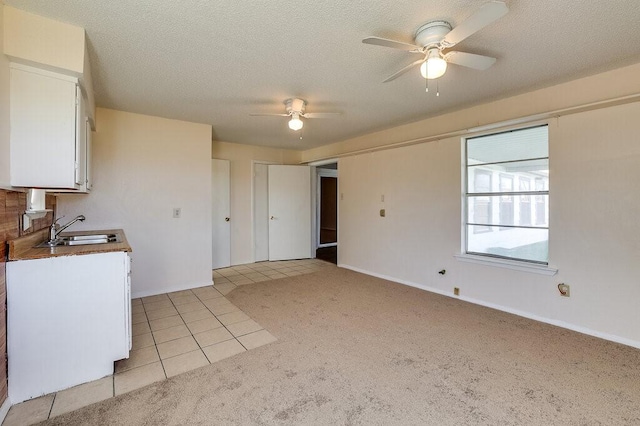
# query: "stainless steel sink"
{"type": "Point", "coordinates": [80, 240]}
{"type": "Point", "coordinates": [88, 237]}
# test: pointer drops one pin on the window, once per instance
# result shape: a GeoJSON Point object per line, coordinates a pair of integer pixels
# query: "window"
{"type": "Point", "coordinates": [507, 216]}
{"type": "Point", "coordinates": [525, 201]}
{"type": "Point", "coordinates": [541, 202]}
{"type": "Point", "coordinates": [482, 205]}
{"type": "Point", "coordinates": [506, 201]}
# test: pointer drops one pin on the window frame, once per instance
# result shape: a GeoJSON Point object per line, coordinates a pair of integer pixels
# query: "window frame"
{"type": "Point", "coordinates": [500, 260]}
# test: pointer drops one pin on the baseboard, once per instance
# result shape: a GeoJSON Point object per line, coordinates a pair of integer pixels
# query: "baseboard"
{"type": "Point", "coordinates": [170, 289]}
{"type": "Point", "coordinates": [524, 314]}
{"type": "Point", "coordinates": [4, 409]}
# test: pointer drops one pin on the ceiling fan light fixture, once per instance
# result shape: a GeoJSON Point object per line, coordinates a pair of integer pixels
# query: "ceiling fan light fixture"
{"type": "Point", "coordinates": [295, 123]}
{"type": "Point", "coordinates": [434, 66]}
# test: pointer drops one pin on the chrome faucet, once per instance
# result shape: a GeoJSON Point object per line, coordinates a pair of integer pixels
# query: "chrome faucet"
{"type": "Point", "coordinates": [54, 231]}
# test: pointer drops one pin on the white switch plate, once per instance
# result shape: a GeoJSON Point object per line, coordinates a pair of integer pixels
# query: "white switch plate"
{"type": "Point", "coordinates": [177, 212]}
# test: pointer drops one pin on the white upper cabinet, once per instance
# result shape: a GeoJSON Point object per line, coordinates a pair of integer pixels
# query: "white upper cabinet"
{"type": "Point", "coordinates": [49, 130]}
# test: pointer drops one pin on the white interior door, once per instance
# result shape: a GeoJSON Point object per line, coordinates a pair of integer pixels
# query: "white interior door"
{"type": "Point", "coordinates": [220, 179]}
{"type": "Point", "coordinates": [289, 212]}
{"type": "Point", "coordinates": [260, 212]}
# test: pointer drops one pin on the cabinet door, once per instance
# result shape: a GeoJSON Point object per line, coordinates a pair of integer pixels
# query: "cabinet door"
{"type": "Point", "coordinates": [43, 129]}
{"type": "Point", "coordinates": [83, 147]}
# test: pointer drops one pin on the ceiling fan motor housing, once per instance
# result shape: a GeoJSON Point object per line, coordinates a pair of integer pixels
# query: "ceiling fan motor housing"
{"type": "Point", "coordinates": [295, 105]}
{"type": "Point", "coordinates": [432, 33]}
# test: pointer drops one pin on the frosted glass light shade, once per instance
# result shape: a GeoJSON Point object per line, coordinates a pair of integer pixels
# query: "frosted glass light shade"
{"type": "Point", "coordinates": [434, 67]}
{"type": "Point", "coordinates": [295, 123]}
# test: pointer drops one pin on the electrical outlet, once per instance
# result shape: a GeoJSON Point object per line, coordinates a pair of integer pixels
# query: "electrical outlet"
{"type": "Point", "coordinates": [456, 291]}
{"type": "Point", "coordinates": [382, 213]}
{"type": "Point", "coordinates": [564, 289]}
{"type": "Point", "coordinates": [177, 212]}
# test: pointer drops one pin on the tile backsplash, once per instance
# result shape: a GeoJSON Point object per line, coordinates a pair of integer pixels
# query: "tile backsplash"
{"type": "Point", "coordinates": [12, 206]}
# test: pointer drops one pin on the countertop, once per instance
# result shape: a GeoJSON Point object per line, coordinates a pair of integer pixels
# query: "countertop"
{"type": "Point", "coordinates": [24, 248]}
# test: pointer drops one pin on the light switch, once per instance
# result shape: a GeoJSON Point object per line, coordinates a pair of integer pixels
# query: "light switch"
{"type": "Point", "coordinates": [382, 213]}
{"type": "Point", "coordinates": [382, 198]}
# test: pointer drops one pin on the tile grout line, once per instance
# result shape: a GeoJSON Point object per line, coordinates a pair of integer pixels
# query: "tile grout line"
{"type": "Point", "coordinates": [52, 402]}
{"type": "Point", "coordinates": [191, 333]}
{"type": "Point", "coordinates": [166, 376]}
{"type": "Point", "coordinates": [216, 317]}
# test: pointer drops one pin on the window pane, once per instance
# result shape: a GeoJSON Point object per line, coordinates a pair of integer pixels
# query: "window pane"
{"type": "Point", "coordinates": [509, 146]}
{"type": "Point", "coordinates": [509, 210]}
{"type": "Point", "coordinates": [514, 243]}
{"type": "Point", "coordinates": [481, 177]}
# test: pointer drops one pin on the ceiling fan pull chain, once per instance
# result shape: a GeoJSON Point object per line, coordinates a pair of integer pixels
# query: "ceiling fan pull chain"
{"type": "Point", "coordinates": [437, 89]}
{"type": "Point", "coordinates": [426, 85]}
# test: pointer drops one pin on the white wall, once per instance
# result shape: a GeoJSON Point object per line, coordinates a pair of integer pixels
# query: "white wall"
{"type": "Point", "coordinates": [49, 44]}
{"type": "Point", "coordinates": [143, 167]}
{"type": "Point", "coordinates": [581, 93]}
{"type": "Point", "coordinates": [5, 176]}
{"type": "Point", "coordinates": [242, 158]}
{"type": "Point", "coordinates": [594, 228]}
{"type": "Point", "coordinates": [44, 41]}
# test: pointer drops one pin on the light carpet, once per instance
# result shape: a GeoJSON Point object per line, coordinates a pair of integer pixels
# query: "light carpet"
{"type": "Point", "coordinates": [354, 349]}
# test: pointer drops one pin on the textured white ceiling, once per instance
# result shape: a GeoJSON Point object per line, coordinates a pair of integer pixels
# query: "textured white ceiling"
{"type": "Point", "coordinates": [216, 61]}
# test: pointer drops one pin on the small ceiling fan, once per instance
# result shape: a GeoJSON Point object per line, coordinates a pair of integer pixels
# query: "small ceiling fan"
{"type": "Point", "coordinates": [435, 36]}
{"type": "Point", "coordinates": [295, 108]}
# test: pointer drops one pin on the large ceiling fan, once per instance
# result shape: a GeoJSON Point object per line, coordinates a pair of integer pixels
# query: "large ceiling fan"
{"type": "Point", "coordinates": [295, 108]}
{"type": "Point", "coordinates": [435, 36]}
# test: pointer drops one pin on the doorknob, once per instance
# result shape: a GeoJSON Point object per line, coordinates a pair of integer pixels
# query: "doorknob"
{"type": "Point", "coordinates": [273, 217]}
{"type": "Point", "coordinates": [227, 219]}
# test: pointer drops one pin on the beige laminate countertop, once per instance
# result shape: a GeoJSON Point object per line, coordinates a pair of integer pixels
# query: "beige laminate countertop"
{"type": "Point", "coordinates": [24, 248]}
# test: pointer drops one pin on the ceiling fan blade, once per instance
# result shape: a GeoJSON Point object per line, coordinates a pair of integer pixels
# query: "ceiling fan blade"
{"type": "Point", "coordinates": [488, 13]}
{"type": "Point", "coordinates": [377, 41]}
{"type": "Point", "coordinates": [320, 114]}
{"type": "Point", "coordinates": [403, 70]}
{"type": "Point", "coordinates": [269, 115]}
{"type": "Point", "coordinates": [471, 60]}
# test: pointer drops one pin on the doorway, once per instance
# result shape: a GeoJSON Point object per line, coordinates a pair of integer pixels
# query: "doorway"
{"type": "Point", "coordinates": [327, 212]}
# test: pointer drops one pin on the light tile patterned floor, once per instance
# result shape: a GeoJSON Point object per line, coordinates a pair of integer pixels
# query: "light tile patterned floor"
{"type": "Point", "coordinates": [174, 333]}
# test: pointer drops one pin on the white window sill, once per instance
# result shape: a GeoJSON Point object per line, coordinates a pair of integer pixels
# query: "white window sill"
{"type": "Point", "coordinates": [507, 264]}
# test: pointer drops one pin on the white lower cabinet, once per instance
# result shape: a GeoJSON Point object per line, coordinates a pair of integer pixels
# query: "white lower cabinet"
{"type": "Point", "coordinates": [68, 320]}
